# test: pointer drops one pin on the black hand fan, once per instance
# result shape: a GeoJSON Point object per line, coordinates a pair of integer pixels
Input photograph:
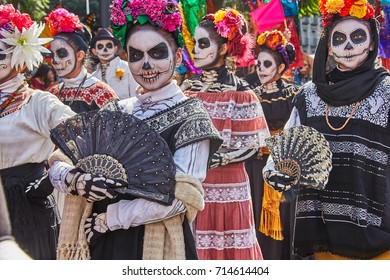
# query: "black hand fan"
{"type": "Point", "coordinates": [118, 145]}
{"type": "Point", "coordinates": [302, 152]}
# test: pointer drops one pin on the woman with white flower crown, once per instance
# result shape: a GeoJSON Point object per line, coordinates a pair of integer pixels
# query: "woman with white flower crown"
{"type": "Point", "coordinates": [26, 117]}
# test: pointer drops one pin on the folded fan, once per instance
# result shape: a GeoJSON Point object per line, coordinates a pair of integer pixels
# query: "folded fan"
{"type": "Point", "coordinates": [120, 146]}
{"type": "Point", "coordinates": [304, 153]}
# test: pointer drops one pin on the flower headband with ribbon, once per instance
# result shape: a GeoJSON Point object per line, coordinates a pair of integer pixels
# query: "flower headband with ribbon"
{"type": "Point", "coordinates": [229, 23]}
{"type": "Point", "coordinates": [21, 34]}
{"type": "Point", "coordinates": [355, 8]}
{"type": "Point", "coordinates": [274, 40]}
{"type": "Point", "coordinates": [161, 13]}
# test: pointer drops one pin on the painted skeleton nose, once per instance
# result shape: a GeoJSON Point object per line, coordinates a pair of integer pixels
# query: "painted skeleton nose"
{"type": "Point", "coordinates": [349, 46]}
{"type": "Point", "coordinates": [105, 50]}
{"type": "Point", "coordinates": [146, 66]}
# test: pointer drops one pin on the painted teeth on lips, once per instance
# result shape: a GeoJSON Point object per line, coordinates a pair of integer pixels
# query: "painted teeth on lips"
{"type": "Point", "coordinates": [150, 75]}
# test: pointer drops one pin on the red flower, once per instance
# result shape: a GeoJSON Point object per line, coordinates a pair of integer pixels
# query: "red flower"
{"type": "Point", "coordinates": [22, 21]}
{"type": "Point", "coordinates": [232, 19]}
{"type": "Point", "coordinates": [370, 12]}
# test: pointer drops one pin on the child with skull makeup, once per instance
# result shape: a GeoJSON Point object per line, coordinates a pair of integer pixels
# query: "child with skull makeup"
{"type": "Point", "coordinates": [111, 69]}
{"type": "Point", "coordinates": [26, 118]}
{"type": "Point", "coordinates": [79, 90]}
{"type": "Point", "coordinates": [350, 105]}
{"type": "Point", "coordinates": [275, 95]}
{"type": "Point", "coordinates": [225, 229]}
{"type": "Point", "coordinates": [128, 227]}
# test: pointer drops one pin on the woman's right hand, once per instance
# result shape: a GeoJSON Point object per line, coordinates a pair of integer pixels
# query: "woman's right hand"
{"type": "Point", "coordinates": [92, 187]}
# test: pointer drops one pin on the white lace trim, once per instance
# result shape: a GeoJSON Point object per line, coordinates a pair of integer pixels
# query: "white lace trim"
{"type": "Point", "coordinates": [220, 240]}
{"type": "Point", "coordinates": [232, 193]}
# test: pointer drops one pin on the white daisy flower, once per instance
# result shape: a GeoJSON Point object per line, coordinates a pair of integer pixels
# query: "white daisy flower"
{"type": "Point", "coordinates": [26, 46]}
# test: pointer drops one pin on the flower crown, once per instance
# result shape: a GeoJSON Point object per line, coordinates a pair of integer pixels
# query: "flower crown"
{"type": "Point", "coordinates": [60, 20]}
{"type": "Point", "coordinates": [21, 34]}
{"type": "Point", "coordinates": [229, 23]}
{"type": "Point", "coordinates": [354, 8]}
{"type": "Point", "coordinates": [160, 13]}
{"type": "Point", "coordinates": [274, 40]}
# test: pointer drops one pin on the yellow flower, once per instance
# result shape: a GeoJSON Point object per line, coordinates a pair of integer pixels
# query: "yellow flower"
{"type": "Point", "coordinates": [360, 2]}
{"type": "Point", "coordinates": [262, 37]}
{"type": "Point", "coordinates": [119, 72]}
{"type": "Point", "coordinates": [334, 6]}
{"type": "Point", "coordinates": [235, 12]}
{"type": "Point", "coordinates": [219, 16]}
{"type": "Point", "coordinates": [358, 11]}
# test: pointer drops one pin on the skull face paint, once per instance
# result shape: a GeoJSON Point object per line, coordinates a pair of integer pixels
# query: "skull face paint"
{"type": "Point", "coordinates": [205, 49]}
{"type": "Point", "coordinates": [266, 67]}
{"type": "Point", "coordinates": [105, 49]}
{"type": "Point", "coordinates": [64, 57]}
{"type": "Point", "coordinates": [151, 59]}
{"type": "Point", "coordinates": [350, 43]}
{"type": "Point", "coordinates": [5, 63]}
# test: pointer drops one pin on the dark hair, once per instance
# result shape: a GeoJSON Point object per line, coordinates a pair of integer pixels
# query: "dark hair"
{"type": "Point", "coordinates": [42, 72]}
{"type": "Point", "coordinates": [290, 49]}
{"type": "Point", "coordinates": [79, 39]}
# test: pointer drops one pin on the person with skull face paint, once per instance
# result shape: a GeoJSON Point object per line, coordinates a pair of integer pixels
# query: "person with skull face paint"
{"type": "Point", "coordinates": [111, 69]}
{"type": "Point", "coordinates": [225, 229]}
{"type": "Point", "coordinates": [350, 105]}
{"type": "Point", "coordinates": [79, 90]}
{"type": "Point", "coordinates": [26, 118]}
{"type": "Point", "coordinates": [275, 95]}
{"type": "Point", "coordinates": [135, 228]}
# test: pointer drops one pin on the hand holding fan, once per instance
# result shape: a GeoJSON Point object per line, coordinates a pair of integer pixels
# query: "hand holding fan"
{"type": "Point", "coordinates": [117, 145]}
{"type": "Point", "coordinates": [302, 152]}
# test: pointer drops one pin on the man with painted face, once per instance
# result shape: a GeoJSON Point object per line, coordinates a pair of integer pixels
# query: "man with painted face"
{"type": "Point", "coordinates": [350, 105]}
{"type": "Point", "coordinates": [111, 69]}
{"type": "Point", "coordinates": [275, 95]}
{"type": "Point", "coordinates": [135, 228]}
{"type": "Point", "coordinates": [26, 118]}
{"type": "Point", "coordinates": [225, 230]}
{"type": "Point", "coordinates": [79, 90]}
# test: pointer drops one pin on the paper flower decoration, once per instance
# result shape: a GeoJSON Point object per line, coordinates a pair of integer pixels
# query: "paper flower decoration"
{"type": "Point", "coordinates": [119, 73]}
{"type": "Point", "coordinates": [355, 8]}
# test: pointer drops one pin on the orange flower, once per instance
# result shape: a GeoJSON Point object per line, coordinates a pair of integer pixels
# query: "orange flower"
{"type": "Point", "coordinates": [119, 72]}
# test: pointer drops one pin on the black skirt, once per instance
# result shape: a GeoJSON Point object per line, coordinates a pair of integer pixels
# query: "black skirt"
{"type": "Point", "coordinates": [127, 244]}
{"type": "Point", "coordinates": [33, 212]}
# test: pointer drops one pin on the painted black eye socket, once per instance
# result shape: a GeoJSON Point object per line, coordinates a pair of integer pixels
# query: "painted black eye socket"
{"type": "Point", "coordinates": [108, 46]}
{"type": "Point", "coordinates": [159, 51]}
{"type": "Point", "coordinates": [267, 64]}
{"type": "Point", "coordinates": [2, 56]}
{"type": "Point", "coordinates": [62, 53]}
{"type": "Point", "coordinates": [338, 38]}
{"type": "Point", "coordinates": [135, 55]}
{"type": "Point", "coordinates": [204, 43]}
{"type": "Point", "coordinates": [359, 36]}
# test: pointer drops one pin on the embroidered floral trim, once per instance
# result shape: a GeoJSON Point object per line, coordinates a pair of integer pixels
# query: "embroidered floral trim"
{"type": "Point", "coordinates": [196, 123]}
{"type": "Point", "coordinates": [98, 93]}
{"type": "Point", "coordinates": [375, 108]}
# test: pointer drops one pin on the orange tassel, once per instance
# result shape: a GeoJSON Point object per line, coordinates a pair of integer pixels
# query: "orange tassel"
{"type": "Point", "coordinates": [270, 223]}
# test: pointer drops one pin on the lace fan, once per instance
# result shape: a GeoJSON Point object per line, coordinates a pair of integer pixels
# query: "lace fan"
{"type": "Point", "coordinates": [120, 146]}
{"type": "Point", "coordinates": [302, 152]}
